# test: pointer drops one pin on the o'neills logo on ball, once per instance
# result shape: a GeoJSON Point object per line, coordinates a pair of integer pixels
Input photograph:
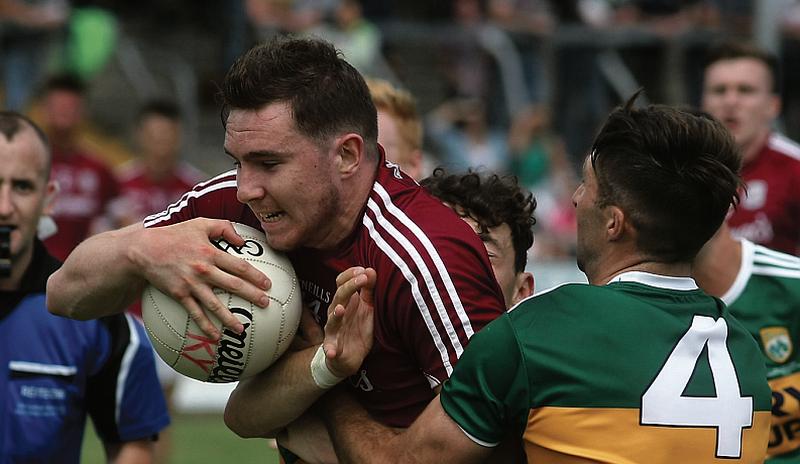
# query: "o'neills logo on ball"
{"type": "Point", "coordinates": [250, 247]}
{"type": "Point", "coordinates": [231, 351]}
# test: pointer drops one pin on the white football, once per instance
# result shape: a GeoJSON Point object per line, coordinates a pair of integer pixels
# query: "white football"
{"type": "Point", "coordinates": [267, 331]}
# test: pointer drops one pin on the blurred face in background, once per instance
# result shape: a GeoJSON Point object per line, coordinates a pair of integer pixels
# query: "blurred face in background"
{"type": "Point", "coordinates": [739, 93]}
{"type": "Point", "coordinates": [63, 111]}
{"type": "Point", "coordinates": [159, 139]}
{"type": "Point", "coordinates": [398, 149]}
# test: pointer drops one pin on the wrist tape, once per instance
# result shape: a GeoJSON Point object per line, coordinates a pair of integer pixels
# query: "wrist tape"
{"type": "Point", "coordinates": [320, 372]}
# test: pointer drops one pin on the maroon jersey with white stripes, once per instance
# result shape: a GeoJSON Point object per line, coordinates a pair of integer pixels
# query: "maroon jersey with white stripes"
{"type": "Point", "coordinates": [435, 286]}
{"type": "Point", "coordinates": [769, 214]}
{"type": "Point", "coordinates": [141, 195]}
{"type": "Point", "coordinates": [86, 186]}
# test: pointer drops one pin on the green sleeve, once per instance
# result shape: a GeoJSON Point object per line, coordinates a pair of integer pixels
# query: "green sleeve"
{"type": "Point", "coordinates": [487, 395]}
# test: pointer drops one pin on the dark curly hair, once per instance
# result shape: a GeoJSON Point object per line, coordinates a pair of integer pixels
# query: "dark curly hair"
{"type": "Point", "coordinates": [491, 200]}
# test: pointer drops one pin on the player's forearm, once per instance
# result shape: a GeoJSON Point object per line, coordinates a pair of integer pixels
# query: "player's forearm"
{"type": "Point", "coordinates": [356, 436]}
{"type": "Point", "coordinates": [308, 438]}
{"type": "Point", "coordinates": [262, 405]}
{"type": "Point", "coordinates": [98, 278]}
{"type": "Point", "coordinates": [131, 452]}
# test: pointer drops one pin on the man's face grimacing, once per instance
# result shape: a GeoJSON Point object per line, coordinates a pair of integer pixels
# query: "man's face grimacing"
{"type": "Point", "coordinates": [739, 93]}
{"type": "Point", "coordinates": [25, 193]}
{"type": "Point", "coordinates": [287, 179]}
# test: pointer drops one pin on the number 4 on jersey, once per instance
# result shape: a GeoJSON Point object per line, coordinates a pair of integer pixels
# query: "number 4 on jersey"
{"type": "Point", "coordinates": [729, 412]}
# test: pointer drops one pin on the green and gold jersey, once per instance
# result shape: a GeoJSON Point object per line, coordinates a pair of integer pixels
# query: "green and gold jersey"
{"type": "Point", "coordinates": [765, 298]}
{"type": "Point", "coordinates": [647, 369]}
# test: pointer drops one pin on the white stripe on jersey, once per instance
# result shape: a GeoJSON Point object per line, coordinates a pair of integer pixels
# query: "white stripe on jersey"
{"type": "Point", "coordinates": [426, 275]}
{"type": "Point", "coordinates": [776, 271]}
{"type": "Point", "coordinates": [760, 260]}
{"type": "Point", "coordinates": [423, 238]}
{"type": "Point", "coordinates": [478, 441]}
{"type": "Point", "coordinates": [768, 256]}
{"type": "Point", "coordinates": [784, 145]}
{"type": "Point", "coordinates": [184, 200]}
{"type": "Point", "coordinates": [412, 280]}
{"type": "Point", "coordinates": [39, 368]}
{"type": "Point", "coordinates": [430, 283]}
{"type": "Point", "coordinates": [125, 365]}
{"type": "Point", "coordinates": [775, 261]}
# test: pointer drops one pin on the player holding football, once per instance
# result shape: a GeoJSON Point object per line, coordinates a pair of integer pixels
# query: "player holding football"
{"type": "Point", "coordinates": [639, 366]}
{"type": "Point", "coordinates": [300, 127]}
{"type": "Point", "coordinates": [501, 213]}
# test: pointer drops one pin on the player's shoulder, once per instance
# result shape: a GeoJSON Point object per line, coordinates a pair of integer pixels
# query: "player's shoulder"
{"type": "Point", "coordinates": [41, 324]}
{"type": "Point", "coordinates": [213, 198]}
{"type": "Point", "coordinates": [559, 301]}
{"type": "Point", "coordinates": [783, 145]}
{"type": "Point", "coordinates": [566, 292]}
{"type": "Point", "coordinates": [190, 175]}
{"type": "Point", "coordinates": [129, 172]}
{"type": "Point", "coordinates": [769, 262]}
{"type": "Point", "coordinates": [223, 181]}
{"type": "Point", "coordinates": [408, 224]}
{"type": "Point", "coordinates": [405, 209]}
{"type": "Point", "coordinates": [93, 161]}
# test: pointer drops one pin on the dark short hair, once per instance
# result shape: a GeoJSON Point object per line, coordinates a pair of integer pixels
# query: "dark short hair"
{"type": "Point", "coordinates": [67, 82]}
{"type": "Point", "coordinates": [674, 172]}
{"type": "Point", "coordinates": [733, 50]}
{"type": "Point", "coordinates": [491, 200]}
{"type": "Point", "coordinates": [326, 94]}
{"type": "Point", "coordinates": [159, 107]}
{"type": "Point", "coordinates": [12, 123]}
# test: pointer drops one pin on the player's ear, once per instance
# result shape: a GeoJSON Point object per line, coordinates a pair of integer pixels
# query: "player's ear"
{"type": "Point", "coordinates": [774, 106]}
{"type": "Point", "coordinates": [350, 153]}
{"type": "Point", "coordinates": [616, 222]}
{"type": "Point", "coordinates": [51, 190]}
{"type": "Point", "coordinates": [523, 287]}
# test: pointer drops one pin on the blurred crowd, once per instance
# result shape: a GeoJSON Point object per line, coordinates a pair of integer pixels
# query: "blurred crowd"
{"type": "Point", "coordinates": [516, 86]}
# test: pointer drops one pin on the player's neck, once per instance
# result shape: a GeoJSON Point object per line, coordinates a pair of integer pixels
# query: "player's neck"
{"type": "Point", "coordinates": [750, 151]}
{"type": "Point", "coordinates": [353, 199]}
{"type": "Point", "coordinates": [718, 264]}
{"type": "Point", "coordinates": [156, 171]}
{"type": "Point", "coordinates": [19, 265]}
{"type": "Point", "coordinates": [636, 262]}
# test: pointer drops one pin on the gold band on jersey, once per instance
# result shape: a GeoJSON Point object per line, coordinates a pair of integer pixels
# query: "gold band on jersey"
{"type": "Point", "coordinates": [582, 435]}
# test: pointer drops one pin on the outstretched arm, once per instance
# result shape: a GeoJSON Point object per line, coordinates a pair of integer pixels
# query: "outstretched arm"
{"type": "Point", "coordinates": [433, 437]}
{"type": "Point", "coordinates": [280, 394]}
{"type": "Point", "coordinates": [108, 271]}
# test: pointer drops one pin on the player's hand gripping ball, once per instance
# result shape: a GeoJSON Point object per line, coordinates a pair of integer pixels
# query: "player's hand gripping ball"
{"type": "Point", "coordinates": [267, 331]}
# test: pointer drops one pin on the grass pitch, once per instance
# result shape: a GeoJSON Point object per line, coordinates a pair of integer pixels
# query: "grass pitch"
{"type": "Point", "coordinates": [196, 438]}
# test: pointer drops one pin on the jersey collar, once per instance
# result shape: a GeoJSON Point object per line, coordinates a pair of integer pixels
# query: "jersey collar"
{"type": "Point", "coordinates": [745, 270]}
{"type": "Point", "coordinates": [656, 280]}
